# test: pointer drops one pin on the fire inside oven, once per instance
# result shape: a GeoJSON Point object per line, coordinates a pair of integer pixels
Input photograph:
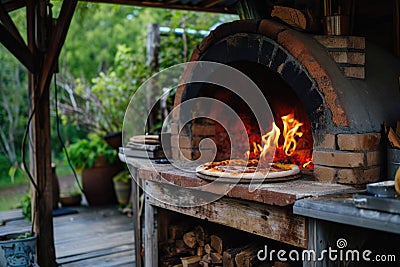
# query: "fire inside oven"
{"type": "Point", "coordinates": [290, 133]}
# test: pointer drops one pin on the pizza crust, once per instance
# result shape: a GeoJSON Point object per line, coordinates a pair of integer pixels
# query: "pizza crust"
{"type": "Point", "coordinates": [236, 169]}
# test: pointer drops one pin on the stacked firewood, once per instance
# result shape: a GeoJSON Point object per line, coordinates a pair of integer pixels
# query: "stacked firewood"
{"type": "Point", "coordinates": [195, 247]}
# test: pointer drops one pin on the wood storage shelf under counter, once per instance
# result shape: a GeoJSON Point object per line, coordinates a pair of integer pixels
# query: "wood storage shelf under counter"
{"type": "Point", "coordinates": [264, 212]}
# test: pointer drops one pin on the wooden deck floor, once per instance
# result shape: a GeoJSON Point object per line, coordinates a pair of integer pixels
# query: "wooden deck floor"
{"type": "Point", "coordinates": [95, 236]}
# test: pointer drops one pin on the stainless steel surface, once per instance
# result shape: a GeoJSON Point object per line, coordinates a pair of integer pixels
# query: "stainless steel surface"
{"type": "Point", "coordinates": [336, 25]}
{"type": "Point", "coordinates": [367, 201]}
{"type": "Point", "coordinates": [393, 162]}
{"type": "Point", "coordinates": [382, 189]}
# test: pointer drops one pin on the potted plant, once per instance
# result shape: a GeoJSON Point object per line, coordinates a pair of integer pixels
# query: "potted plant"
{"type": "Point", "coordinates": [72, 198]}
{"type": "Point", "coordinates": [122, 186]}
{"type": "Point", "coordinates": [18, 249]}
{"type": "Point", "coordinates": [97, 162]}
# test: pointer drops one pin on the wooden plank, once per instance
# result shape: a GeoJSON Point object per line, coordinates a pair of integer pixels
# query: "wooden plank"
{"type": "Point", "coordinates": [96, 254]}
{"type": "Point", "coordinates": [150, 236]}
{"type": "Point", "coordinates": [94, 242]}
{"type": "Point", "coordinates": [135, 198]}
{"type": "Point", "coordinates": [277, 223]}
{"type": "Point", "coordinates": [125, 258]}
{"type": "Point", "coordinates": [11, 215]}
{"type": "Point", "coordinates": [83, 231]}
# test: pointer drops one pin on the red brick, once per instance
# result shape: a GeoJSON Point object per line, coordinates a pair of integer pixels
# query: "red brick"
{"type": "Point", "coordinates": [207, 42]}
{"type": "Point", "coordinates": [174, 128]}
{"type": "Point", "coordinates": [175, 153]}
{"type": "Point", "coordinates": [359, 175]}
{"type": "Point", "coordinates": [203, 130]}
{"type": "Point", "coordinates": [270, 28]}
{"type": "Point", "coordinates": [353, 72]}
{"type": "Point", "coordinates": [359, 142]}
{"type": "Point", "coordinates": [330, 41]}
{"type": "Point", "coordinates": [339, 158]}
{"type": "Point", "coordinates": [329, 142]}
{"type": "Point", "coordinates": [325, 174]}
{"type": "Point", "coordinates": [348, 57]}
{"type": "Point", "coordinates": [188, 153]}
{"type": "Point", "coordinates": [374, 158]}
{"type": "Point", "coordinates": [185, 141]}
{"type": "Point", "coordinates": [174, 140]}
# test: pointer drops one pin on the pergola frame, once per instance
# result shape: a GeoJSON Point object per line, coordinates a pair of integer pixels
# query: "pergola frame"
{"type": "Point", "coordinates": [40, 55]}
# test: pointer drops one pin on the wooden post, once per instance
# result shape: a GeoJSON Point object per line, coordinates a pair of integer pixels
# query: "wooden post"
{"type": "Point", "coordinates": [42, 217]}
{"type": "Point", "coordinates": [40, 151]}
{"type": "Point", "coordinates": [152, 50]}
{"type": "Point", "coordinates": [396, 27]}
{"type": "Point", "coordinates": [135, 197]}
{"type": "Point", "coordinates": [150, 235]}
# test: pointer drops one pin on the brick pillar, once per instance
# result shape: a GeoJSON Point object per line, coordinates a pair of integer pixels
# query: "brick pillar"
{"type": "Point", "coordinates": [348, 158]}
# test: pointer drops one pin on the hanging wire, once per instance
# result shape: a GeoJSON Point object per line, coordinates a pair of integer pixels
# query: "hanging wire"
{"type": "Point", "coordinates": [59, 134]}
{"type": "Point", "coordinates": [23, 155]}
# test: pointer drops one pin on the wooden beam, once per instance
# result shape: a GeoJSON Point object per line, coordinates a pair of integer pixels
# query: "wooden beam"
{"type": "Point", "coordinates": [396, 27]}
{"type": "Point", "coordinates": [11, 5]}
{"type": "Point", "coordinates": [173, 5]}
{"type": "Point", "coordinates": [20, 51]}
{"type": "Point", "coordinates": [57, 41]}
{"type": "Point", "coordinates": [210, 3]}
{"type": "Point", "coordinates": [9, 25]}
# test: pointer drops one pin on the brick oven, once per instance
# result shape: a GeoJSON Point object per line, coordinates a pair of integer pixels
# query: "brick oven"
{"type": "Point", "coordinates": [341, 88]}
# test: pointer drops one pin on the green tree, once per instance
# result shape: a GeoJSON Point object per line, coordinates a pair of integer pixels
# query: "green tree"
{"type": "Point", "coordinates": [99, 103]}
{"type": "Point", "coordinates": [95, 32]}
{"type": "Point", "coordinates": [100, 107]}
{"type": "Point", "coordinates": [14, 100]}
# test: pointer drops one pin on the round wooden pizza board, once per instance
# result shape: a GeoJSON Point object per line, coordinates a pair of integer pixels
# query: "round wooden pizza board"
{"type": "Point", "coordinates": [246, 180]}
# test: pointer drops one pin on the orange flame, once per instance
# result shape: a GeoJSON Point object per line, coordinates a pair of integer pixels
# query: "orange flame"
{"type": "Point", "coordinates": [271, 139]}
{"type": "Point", "coordinates": [290, 131]}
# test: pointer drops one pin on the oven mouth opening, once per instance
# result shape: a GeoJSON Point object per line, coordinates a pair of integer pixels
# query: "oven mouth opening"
{"type": "Point", "coordinates": [290, 135]}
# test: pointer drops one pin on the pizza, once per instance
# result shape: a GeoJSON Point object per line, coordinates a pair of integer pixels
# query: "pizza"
{"type": "Point", "coordinates": [248, 169]}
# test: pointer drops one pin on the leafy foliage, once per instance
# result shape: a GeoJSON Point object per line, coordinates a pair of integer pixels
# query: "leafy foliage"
{"type": "Point", "coordinates": [123, 176]}
{"type": "Point", "coordinates": [101, 108]}
{"type": "Point", "coordinates": [85, 152]}
{"type": "Point", "coordinates": [26, 206]}
{"type": "Point", "coordinates": [101, 65]}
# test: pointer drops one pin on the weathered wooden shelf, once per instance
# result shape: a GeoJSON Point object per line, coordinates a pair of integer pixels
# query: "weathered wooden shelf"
{"type": "Point", "coordinates": [275, 193]}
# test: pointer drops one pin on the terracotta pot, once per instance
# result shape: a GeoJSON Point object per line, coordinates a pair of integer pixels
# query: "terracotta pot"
{"type": "Point", "coordinates": [70, 200]}
{"type": "Point", "coordinates": [114, 140]}
{"type": "Point", "coordinates": [98, 185]}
